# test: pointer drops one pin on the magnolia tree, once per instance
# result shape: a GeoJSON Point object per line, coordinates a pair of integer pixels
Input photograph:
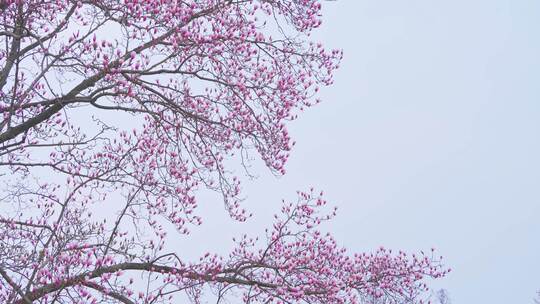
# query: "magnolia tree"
{"type": "Point", "coordinates": [202, 81]}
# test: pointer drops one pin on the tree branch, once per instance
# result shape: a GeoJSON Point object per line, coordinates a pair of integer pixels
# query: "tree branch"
{"type": "Point", "coordinates": [85, 277]}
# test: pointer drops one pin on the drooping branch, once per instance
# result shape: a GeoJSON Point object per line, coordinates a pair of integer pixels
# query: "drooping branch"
{"type": "Point", "coordinates": [112, 294]}
{"type": "Point", "coordinates": [83, 278]}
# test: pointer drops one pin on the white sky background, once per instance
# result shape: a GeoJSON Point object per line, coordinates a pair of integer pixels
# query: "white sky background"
{"type": "Point", "coordinates": [429, 137]}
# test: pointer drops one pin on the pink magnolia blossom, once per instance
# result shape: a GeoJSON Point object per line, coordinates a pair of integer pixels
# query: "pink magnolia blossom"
{"type": "Point", "coordinates": [202, 81]}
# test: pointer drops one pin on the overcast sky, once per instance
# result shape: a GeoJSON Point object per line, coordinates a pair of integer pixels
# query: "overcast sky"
{"type": "Point", "coordinates": [429, 137]}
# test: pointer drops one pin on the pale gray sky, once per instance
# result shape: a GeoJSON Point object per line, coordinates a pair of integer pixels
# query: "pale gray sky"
{"type": "Point", "coordinates": [429, 137]}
